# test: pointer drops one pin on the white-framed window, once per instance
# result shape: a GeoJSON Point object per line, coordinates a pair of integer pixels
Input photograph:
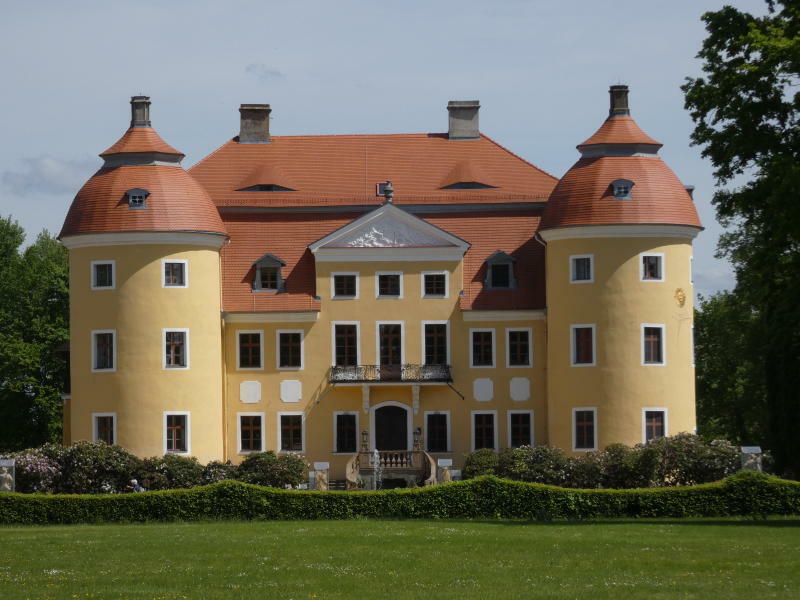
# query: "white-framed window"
{"type": "Point", "coordinates": [519, 347]}
{"type": "Point", "coordinates": [389, 284]}
{"type": "Point", "coordinates": [390, 347]}
{"type": "Point", "coordinates": [481, 348]}
{"type": "Point", "coordinates": [437, 432]}
{"type": "Point", "coordinates": [583, 345]}
{"type": "Point", "coordinates": [345, 285]}
{"type": "Point", "coordinates": [581, 268]}
{"type": "Point", "coordinates": [484, 430]}
{"type": "Point", "coordinates": [175, 344]}
{"type": "Point", "coordinates": [651, 266]}
{"type": "Point", "coordinates": [500, 272]}
{"type": "Point", "coordinates": [435, 342]}
{"type": "Point", "coordinates": [654, 344]}
{"type": "Point", "coordinates": [622, 189]}
{"type": "Point", "coordinates": [584, 429]}
{"type": "Point", "coordinates": [177, 432]}
{"type": "Point", "coordinates": [250, 432]}
{"type": "Point", "coordinates": [268, 276]}
{"type": "Point", "coordinates": [103, 274]}
{"type": "Point", "coordinates": [520, 428]}
{"type": "Point", "coordinates": [104, 350]}
{"type": "Point", "coordinates": [104, 427]}
{"type": "Point", "coordinates": [345, 431]}
{"type": "Point", "coordinates": [249, 349]}
{"type": "Point", "coordinates": [175, 273]}
{"type": "Point", "coordinates": [291, 432]}
{"type": "Point", "coordinates": [345, 343]}
{"type": "Point", "coordinates": [289, 349]}
{"type": "Point", "coordinates": [434, 284]}
{"type": "Point", "coordinates": [654, 424]}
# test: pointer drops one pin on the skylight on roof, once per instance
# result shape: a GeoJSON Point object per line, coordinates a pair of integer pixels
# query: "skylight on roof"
{"type": "Point", "coordinates": [266, 187]}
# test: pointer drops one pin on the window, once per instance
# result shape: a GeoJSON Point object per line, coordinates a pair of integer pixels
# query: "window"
{"type": "Point", "coordinates": [434, 285]}
{"type": "Point", "coordinates": [249, 354]}
{"type": "Point", "coordinates": [251, 432]}
{"type": "Point", "coordinates": [581, 268]}
{"type": "Point", "coordinates": [483, 430]}
{"type": "Point", "coordinates": [176, 348]}
{"type": "Point", "coordinates": [344, 285]}
{"type": "Point", "coordinates": [653, 344]}
{"type": "Point", "coordinates": [269, 278]}
{"type": "Point", "coordinates": [290, 349]}
{"type": "Point", "coordinates": [583, 346]}
{"type": "Point", "coordinates": [137, 198]}
{"type": "Point", "coordinates": [652, 267]}
{"type": "Point", "coordinates": [103, 275]}
{"type": "Point", "coordinates": [520, 428]}
{"type": "Point", "coordinates": [390, 285]}
{"type": "Point", "coordinates": [390, 344]}
{"type": "Point", "coordinates": [175, 273]}
{"type": "Point", "coordinates": [481, 348]}
{"type": "Point", "coordinates": [437, 431]}
{"type": "Point", "coordinates": [654, 424]}
{"type": "Point", "coordinates": [345, 344]}
{"type": "Point", "coordinates": [268, 274]}
{"type": "Point", "coordinates": [291, 432]}
{"type": "Point", "coordinates": [435, 342]}
{"type": "Point", "coordinates": [104, 428]}
{"type": "Point", "coordinates": [345, 432]}
{"type": "Point", "coordinates": [583, 425]}
{"type": "Point", "coordinates": [622, 189]}
{"type": "Point", "coordinates": [500, 272]}
{"type": "Point", "coordinates": [176, 432]}
{"type": "Point", "coordinates": [104, 350]}
{"type": "Point", "coordinates": [518, 348]}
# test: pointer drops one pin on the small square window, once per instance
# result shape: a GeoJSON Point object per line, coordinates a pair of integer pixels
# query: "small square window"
{"type": "Point", "coordinates": [389, 285]}
{"type": "Point", "coordinates": [435, 284]}
{"type": "Point", "coordinates": [581, 269]}
{"type": "Point", "coordinates": [269, 278]}
{"type": "Point", "coordinates": [345, 286]}
{"type": "Point", "coordinates": [500, 276]}
{"type": "Point", "coordinates": [174, 274]}
{"type": "Point", "coordinates": [137, 198]}
{"type": "Point", "coordinates": [652, 267]}
{"type": "Point", "coordinates": [103, 275]}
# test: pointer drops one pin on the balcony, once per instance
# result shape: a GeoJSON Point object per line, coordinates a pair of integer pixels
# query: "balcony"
{"type": "Point", "coordinates": [391, 373]}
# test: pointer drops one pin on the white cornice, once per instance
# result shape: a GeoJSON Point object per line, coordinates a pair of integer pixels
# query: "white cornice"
{"type": "Point", "coordinates": [620, 231]}
{"type": "Point", "coordinates": [308, 316]}
{"type": "Point", "coordinates": [388, 254]}
{"type": "Point", "coordinates": [135, 238]}
{"type": "Point", "coordinates": [504, 315]}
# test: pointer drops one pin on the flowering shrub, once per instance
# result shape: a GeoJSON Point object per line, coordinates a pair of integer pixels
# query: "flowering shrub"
{"type": "Point", "coordinates": [170, 471]}
{"type": "Point", "coordinates": [481, 462]}
{"type": "Point", "coordinates": [217, 470]}
{"type": "Point", "coordinates": [96, 468]}
{"type": "Point", "coordinates": [267, 468]}
{"type": "Point", "coordinates": [36, 472]}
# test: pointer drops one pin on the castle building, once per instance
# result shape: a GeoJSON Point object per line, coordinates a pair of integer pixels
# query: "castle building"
{"type": "Point", "coordinates": [424, 295]}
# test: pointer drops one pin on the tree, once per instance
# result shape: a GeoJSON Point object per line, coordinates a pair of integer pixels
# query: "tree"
{"type": "Point", "coordinates": [746, 111]}
{"type": "Point", "coordinates": [34, 330]}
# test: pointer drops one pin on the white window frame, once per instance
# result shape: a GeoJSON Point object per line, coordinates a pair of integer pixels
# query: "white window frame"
{"type": "Point", "coordinates": [93, 279]}
{"type": "Point", "coordinates": [278, 349]}
{"type": "Point", "coordinates": [188, 415]}
{"type": "Point", "coordinates": [647, 409]}
{"type": "Point", "coordinates": [494, 348]}
{"type": "Point", "coordinates": [593, 409]}
{"type": "Point", "coordinates": [572, 329]}
{"type": "Point", "coordinates": [530, 348]}
{"type": "Point", "coordinates": [508, 425]}
{"type": "Point", "coordinates": [164, 332]}
{"type": "Point", "coordinates": [422, 340]}
{"type": "Point", "coordinates": [94, 332]}
{"type": "Point", "coordinates": [448, 420]}
{"type": "Point", "coordinates": [336, 414]}
{"type": "Point", "coordinates": [663, 329]}
{"type": "Point", "coordinates": [377, 285]}
{"type": "Point", "coordinates": [239, 416]}
{"type": "Point", "coordinates": [333, 285]}
{"type": "Point", "coordinates": [422, 293]}
{"type": "Point", "coordinates": [572, 269]}
{"type": "Point", "coordinates": [472, 428]}
{"type": "Point", "coordinates": [113, 416]}
{"type": "Point", "coordinates": [260, 333]}
{"type": "Point", "coordinates": [378, 340]}
{"type": "Point", "coordinates": [662, 262]}
{"type": "Point", "coordinates": [302, 431]}
{"type": "Point", "coordinates": [185, 263]}
{"type": "Point", "coordinates": [333, 340]}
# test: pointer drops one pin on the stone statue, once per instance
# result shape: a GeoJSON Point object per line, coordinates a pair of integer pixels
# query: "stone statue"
{"type": "Point", "coordinates": [445, 475]}
{"type": "Point", "coordinates": [321, 481]}
{"type": "Point", "coordinates": [6, 480]}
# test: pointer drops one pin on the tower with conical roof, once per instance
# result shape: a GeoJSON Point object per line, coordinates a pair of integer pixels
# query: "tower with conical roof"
{"type": "Point", "coordinates": [619, 228]}
{"type": "Point", "coordinates": [144, 240]}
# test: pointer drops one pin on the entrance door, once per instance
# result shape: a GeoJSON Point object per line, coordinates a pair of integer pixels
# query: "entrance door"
{"type": "Point", "coordinates": [391, 428]}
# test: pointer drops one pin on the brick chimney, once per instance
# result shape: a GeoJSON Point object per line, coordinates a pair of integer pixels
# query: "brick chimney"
{"type": "Point", "coordinates": [140, 111]}
{"type": "Point", "coordinates": [254, 123]}
{"type": "Point", "coordinates": [619, 101]}
{"type": "Point", "coordinates": [463, 119]}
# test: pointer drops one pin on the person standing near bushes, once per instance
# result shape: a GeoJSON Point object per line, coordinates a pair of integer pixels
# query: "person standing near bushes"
{"type": "Point", "coordinates": [134, 486]}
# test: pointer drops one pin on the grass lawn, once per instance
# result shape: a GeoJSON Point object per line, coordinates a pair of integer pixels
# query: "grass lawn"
{"type": "Point", "coordinates": [404, 559]}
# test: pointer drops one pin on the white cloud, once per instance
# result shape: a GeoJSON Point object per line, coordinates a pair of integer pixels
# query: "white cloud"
{"type": "Point", "coordinates": [48, 175]}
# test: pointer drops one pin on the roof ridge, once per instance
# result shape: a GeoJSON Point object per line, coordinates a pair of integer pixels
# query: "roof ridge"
{"type": "Point", "coordinates": [515, 155]}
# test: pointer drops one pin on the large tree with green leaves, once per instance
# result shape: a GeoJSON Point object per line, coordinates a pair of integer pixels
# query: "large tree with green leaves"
{"type": "Point", "coordinates": [34, 331]}
{"type": "Point", "coordinates": [746, 109]}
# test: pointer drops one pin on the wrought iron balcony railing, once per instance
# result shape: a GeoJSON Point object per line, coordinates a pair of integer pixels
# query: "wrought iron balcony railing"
{"type": "Point", "coordinates": [400, 373]}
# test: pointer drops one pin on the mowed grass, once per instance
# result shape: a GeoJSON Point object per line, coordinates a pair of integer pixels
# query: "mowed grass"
{"type": "Point", "coordinates": [404, 559]}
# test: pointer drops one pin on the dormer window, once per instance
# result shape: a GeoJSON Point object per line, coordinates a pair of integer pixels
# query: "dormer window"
{"type": "Point", "coordinates": [137, 198]}
{"type": "Point", "coordinates": [500, 272]}
{"type": "Point", "coordinates": [468, 185]}
{"type": "Point", "coordinates": [622, 189]}
{"type": "Point", "coordinates": [268, 277]}
{"type": "Point", "coordinates": [266, 187]}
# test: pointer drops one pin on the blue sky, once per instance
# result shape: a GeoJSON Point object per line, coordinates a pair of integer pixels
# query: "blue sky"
{"type": "Point", "coordinates": [540, 69]}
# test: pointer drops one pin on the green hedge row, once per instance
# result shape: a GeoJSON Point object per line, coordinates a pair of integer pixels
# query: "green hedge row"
{"type": "Point", "coordinates": [743, 494]}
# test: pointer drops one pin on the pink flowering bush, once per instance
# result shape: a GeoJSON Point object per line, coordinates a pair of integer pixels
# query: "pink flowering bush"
{"type": "Point", "coordinates": [36, 472]}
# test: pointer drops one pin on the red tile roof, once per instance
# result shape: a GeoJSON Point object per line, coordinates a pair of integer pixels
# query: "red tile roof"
{"type": "Point", "coordinates": [141, 139]}
{"type": "Point", "coordinates": [619, 130]}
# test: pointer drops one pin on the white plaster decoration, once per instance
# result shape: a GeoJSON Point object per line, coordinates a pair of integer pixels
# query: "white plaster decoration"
{"type": "Point", "coordinates": [387, 232]}
{"type": "Point", "coordinates": [365, 398]}
{"type": "Point", "coordinates": [444, 462]}
{"type": "Point", "coordinates": [519, 389]}
{"type": "Point", "coordinates": [322, 466]}
{"type": "Point", "coordinates": [483, 389]}
{"type": "Point", "coordinates": [291, 390]}
{"type": "Point", "coordinates": [250, 392]}
{"type": "Point", "coordinates": [415, 398]}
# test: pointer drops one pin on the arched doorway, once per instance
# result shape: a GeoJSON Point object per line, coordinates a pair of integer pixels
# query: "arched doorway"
{"type": "Point", "coordinates": [390, 426]}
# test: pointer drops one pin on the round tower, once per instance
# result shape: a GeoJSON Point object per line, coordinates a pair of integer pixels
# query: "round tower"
{"type": "Point", "coordinates": [145, 334]}
{"type": "Point", "coordinates": [619, 228]}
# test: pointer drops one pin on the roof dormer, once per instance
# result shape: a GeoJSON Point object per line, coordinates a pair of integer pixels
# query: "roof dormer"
{"type": "Point", "coordinates": [467, 175]}
{"type": "Point", "coordinates": [266, 178]}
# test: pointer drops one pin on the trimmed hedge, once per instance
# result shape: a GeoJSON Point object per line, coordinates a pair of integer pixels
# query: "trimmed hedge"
{"type": "Point", "coordinates": [744, 494]}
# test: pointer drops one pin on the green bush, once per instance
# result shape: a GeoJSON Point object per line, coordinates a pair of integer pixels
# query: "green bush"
{"type": "Point", "coordinates": [536, 464]}
{"type": "Point", "coordinates": [170, 471]}
{"type": "Point", "coordinates": [267, 468]}
{"type": "Point", "coordinates": [96, 468]}
{"type": "Point", "coordinates": [217, 471]}
{"type": "Point", "coordinates": [481, 462]}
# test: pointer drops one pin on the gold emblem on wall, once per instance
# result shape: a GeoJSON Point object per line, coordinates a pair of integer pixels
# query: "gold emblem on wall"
{"type": "Point", "coordinates": [680, 296]}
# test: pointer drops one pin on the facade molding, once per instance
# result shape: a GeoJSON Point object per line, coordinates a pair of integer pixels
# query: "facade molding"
{"type": "Point", "coordinates": [504, 315]}
{"type": "Point", "coordinates": [645, 230]}
{"type": "Point", "coordinates": [136, 238]}
{"type": "Point", "coordinates": [309, 316]}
